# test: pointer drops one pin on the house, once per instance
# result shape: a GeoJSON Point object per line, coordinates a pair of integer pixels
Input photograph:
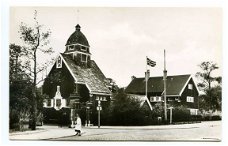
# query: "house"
{"type": "Point", "coordinates": [75, 84]}
{"type": "Point", "coordinates": [181, 90]}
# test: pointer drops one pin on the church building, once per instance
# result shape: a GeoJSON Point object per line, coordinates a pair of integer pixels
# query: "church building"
{"type": "Point", "coordinates": [75, 84]}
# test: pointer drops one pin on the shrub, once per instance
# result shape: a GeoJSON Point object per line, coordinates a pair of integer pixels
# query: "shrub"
{"type": "Point", "coordinates": [216, 118]}
{"type": "Point", "coordinates": [126, 111]}
{"type": "Point", "coordinates": [181, 114]}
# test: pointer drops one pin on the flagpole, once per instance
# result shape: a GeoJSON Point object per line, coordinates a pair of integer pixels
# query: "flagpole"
{"type": "Point", "coordinates": [165, 78]}
{"type": "Point", "coordinates": [146, 74]}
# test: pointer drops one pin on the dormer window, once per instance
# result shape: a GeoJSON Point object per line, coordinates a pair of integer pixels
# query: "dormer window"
{"type": "Point", "coordinates": [83, 58]}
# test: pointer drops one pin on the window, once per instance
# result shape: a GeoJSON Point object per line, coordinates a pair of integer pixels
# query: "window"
{"type": "Point", "coordinates": [59, 62]}
{"type": "Point", "coordinates": [193, 111]}
{"type": "Point", "coordinates": [190, 99]}
{"type": "Point", "coordinates": [158, 98]}
{"type": "Point", "coordinates": [58, 102]}
{"type": "Point", "coordinates": [84, 58]}
{"type": "Point", "coordinates": [48, 102]}
{"type": "Point", "coordinates": [190, 86]}
{"type": "Point", "coordinates": [71, 47]}
{"type": "Point", "coordinates": [155, 99]}
{"type": "Point", "coordinates": [76, 105]}
{"type": "Point", "coordinates": [67, 102]}
{"type": "Point", "coordinates": [83, 48]}
{"type": "Point", "coordinates": [74, 55]}
{"type": "Point", "coordinates": [97, 97]}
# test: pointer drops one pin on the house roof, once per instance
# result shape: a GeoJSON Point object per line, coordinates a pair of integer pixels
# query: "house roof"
{"type": "Point", "coordinates": [175, 85]}
{"type": "Point", "coordinates": [92, 77]}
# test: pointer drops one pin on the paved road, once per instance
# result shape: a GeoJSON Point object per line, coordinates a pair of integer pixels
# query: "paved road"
{"type": "Point", "coordinates": [205, 131]}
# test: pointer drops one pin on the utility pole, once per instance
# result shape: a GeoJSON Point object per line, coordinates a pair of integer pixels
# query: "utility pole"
{"type": "Point", "coordinates": [165, 78]}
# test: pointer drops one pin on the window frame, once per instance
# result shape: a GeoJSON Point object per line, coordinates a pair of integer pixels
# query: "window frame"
{"type": "Point", "coordinates": [85, 58]}
{"type": "Point", "coordinates": [48, 102]}
{"type": "Point", "coordinates": [71, 49]}
{"type": "Point", "coordinates": [83, 48]}
{"type": "Point", "coordinates": [59, 62]}
{"type": "Point", "coordinates": [190, 86]}
{"type": "Point", "coordinates": [190, 99]}
{"type": "Point", "coordinates": [155, 99]}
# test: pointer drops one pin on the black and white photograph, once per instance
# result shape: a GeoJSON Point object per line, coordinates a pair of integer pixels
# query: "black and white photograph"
{"type": "Point", "coordinates": [122, 74]}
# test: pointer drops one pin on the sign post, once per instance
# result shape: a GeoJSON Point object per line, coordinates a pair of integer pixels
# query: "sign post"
{"type": "Point", "coordinates": [99, 108]}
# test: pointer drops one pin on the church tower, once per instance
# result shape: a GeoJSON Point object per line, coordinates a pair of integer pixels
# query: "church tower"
{"type": "Point", "coordinates": [78, 48]}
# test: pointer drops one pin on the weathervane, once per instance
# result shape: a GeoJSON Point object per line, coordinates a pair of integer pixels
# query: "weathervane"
{"type": "Point", "coordinates": [77, 16]}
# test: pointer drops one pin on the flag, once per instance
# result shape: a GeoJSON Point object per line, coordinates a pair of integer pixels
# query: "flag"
{"type": "Point", "coordinates": [150, 62]}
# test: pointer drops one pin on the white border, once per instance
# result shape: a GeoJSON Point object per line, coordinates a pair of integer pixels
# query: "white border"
{"type": "Point", "coordinates": [117, 3]}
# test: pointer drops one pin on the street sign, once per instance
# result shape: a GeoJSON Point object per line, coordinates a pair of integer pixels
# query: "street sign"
{"type": "Point", "coordinates": [99, 108]}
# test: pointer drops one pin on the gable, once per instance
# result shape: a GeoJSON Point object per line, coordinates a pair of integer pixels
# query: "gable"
{"type": "Point", "coordinates": [194, 86]}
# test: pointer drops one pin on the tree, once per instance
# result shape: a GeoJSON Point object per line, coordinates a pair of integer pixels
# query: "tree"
{"type": "Point", "coordinates": [206, 82]}
{"type": "Point", "coordinates": [20, 89]}
{"type": "Point", "coordinates": [126, 110]}
{"type": "Point", "coordinates": [36, 41]}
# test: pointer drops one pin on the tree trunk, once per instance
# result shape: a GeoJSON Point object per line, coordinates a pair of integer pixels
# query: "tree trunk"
{"type": "Point", "coordinates": [34, 97]}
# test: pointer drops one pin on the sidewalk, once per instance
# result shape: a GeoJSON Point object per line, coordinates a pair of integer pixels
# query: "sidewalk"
{"type": "Point", "coordinates": [42, 133]}
{"type": "Point", "coordinates": [52, 132]}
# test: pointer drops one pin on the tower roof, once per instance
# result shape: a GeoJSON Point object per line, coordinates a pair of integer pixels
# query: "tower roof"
{"type": "Point", "coordinates": [77, 37]}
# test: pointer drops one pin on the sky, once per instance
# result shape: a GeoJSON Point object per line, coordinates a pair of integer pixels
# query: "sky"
{"type": "Point", "coordinates": [120, 38]}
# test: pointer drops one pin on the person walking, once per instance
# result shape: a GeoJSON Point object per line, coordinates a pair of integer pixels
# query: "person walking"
{"type": "Point", "coordinates": [78, 125]}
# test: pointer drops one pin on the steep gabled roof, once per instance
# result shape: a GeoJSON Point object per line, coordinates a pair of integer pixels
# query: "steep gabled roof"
{"type": "Point", "coordinates": [92, 77]}
{"type": "Point", "coordinates": [175, 85]}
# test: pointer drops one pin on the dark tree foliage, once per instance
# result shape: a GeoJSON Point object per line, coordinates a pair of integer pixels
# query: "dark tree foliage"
{"type": "Point", "coordinates": [127, 111]}
{"type": "Point", "coordinates": [216, 93]}
{"type": "Point", "coordinates": [20, 89]}
{"type": "Point", "coordinates": [210, 85]}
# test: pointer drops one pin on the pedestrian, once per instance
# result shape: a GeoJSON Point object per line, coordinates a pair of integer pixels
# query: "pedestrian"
{"type": "Point", "coordinates": [78, 125]}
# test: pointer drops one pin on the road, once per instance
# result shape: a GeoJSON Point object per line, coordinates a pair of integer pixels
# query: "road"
{"type": "Point", "coordinates": [205, 131]}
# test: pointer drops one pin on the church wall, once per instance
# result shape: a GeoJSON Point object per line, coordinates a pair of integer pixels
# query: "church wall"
{"type": "Point", "coordinates": [59, 77]}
